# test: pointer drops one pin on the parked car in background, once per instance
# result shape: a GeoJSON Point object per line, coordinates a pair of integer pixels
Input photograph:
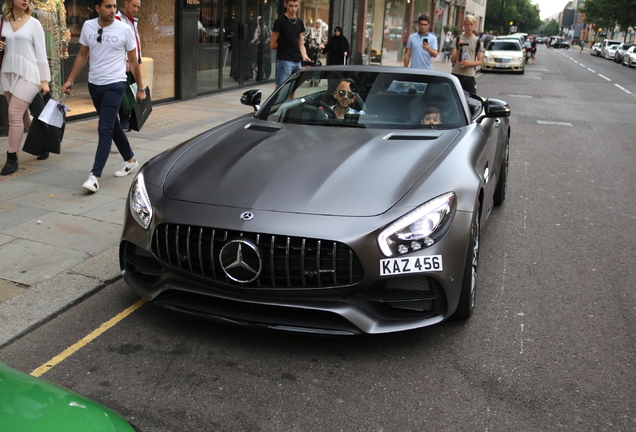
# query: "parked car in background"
{"type": "Point", "coordinates": [620, 52]}
{"type": "Point", "coordinates": [610, 52]}
{"type": "Point", "coordinates": [504, 55]}
{"type": "Point", "coordinates": [596, 49]}
{"type": "Point", "coordinates": [629, 59]}
{"type": "Point", "coordinates": [302, 218]}
{"type": "Point", "coordinates": [606, 44]}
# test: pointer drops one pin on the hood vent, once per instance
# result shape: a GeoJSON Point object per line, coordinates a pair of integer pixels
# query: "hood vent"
{"type": "Point", "coordinates": [263, 127]}
{"type": "Point", "coordinates": [398, 137]}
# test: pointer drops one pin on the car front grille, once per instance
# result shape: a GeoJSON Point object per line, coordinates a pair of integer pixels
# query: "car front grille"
{"type": "Point", "coordinates": [286, 262]}
{"type": "Point", "coordinates": [502, 60]}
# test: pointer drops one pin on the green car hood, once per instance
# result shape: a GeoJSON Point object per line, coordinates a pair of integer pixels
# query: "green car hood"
{"type": "Point", "coordinates": [29, 404]}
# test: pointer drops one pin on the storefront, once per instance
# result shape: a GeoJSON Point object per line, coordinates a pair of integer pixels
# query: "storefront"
{"type": "Point", "coordinates": [197, 47]}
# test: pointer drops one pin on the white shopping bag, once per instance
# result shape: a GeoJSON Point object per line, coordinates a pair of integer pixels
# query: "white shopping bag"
{"type": "Point", "coordinates": [53, 113]}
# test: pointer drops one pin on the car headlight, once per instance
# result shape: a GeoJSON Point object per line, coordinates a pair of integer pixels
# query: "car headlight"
{"type": "Point", "coordinates": [420, 228]}
{"type": "Point", "coordinates": [517, 59]}
{"type": "Point", "coordinates": [140, 206]}
{"type": "Point", "coordinates": [487, 55]}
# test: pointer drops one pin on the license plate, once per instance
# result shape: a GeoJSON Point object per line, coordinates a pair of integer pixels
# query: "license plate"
{"type": "Point", "coordinates": [503, 65]}
{"type": "Point", "coordinates": [404, 265]}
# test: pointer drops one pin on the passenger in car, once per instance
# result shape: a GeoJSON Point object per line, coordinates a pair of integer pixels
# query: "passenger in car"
{"type": "Point", "coordinates": [345, 97]}
{"type": "Point", "coordinates": [432, 116]}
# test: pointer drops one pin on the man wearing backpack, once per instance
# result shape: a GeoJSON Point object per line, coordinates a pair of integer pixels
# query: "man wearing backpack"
{"type": "Point", "coordinates": [466, 55]}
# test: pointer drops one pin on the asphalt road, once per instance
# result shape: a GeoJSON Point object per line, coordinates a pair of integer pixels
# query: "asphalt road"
{"type": "Point", "coordinates": [551, 346]}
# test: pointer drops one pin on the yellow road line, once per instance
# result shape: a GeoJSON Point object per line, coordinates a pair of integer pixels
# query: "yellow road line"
{"type": "Point", "coordinates": [87, 339]}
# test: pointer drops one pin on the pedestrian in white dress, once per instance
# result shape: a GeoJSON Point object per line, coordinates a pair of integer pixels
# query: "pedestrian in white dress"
{"type": "Point", "coordinates": [25, 71]}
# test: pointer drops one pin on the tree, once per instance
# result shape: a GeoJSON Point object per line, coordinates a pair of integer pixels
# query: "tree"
{"type": "Point", "coordinates": [551, 29]}
{"type": "Point", "coordinates": [523, 14]}
{"type": "Point", "coordinates": [609, 13]}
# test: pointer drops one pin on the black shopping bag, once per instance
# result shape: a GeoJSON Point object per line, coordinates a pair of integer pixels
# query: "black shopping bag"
{"type": "Point", "coordinates": [43, 137]}
{"type": "Point", "coordinates": [140, 112]}
{"type": "Point", "coordinates": [129, 100]}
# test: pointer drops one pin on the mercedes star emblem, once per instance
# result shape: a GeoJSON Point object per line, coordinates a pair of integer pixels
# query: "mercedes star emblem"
{"type": "Point", "coordinates": [247, 216]}
{"type": "Point", "coordinates": [241, 261]}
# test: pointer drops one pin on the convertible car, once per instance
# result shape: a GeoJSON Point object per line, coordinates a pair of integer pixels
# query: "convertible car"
{"type": "Point", "coordinates": [300, 217]}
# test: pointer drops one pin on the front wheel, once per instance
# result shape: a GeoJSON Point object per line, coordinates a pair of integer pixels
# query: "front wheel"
{"type": "Point", "coordinates": [466, 303]}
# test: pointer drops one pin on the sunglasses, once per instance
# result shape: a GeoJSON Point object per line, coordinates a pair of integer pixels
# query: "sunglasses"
{"type": "Point", "coordinates": [342, 93]}
{"type": "Point", "coordinates": [99, 32]}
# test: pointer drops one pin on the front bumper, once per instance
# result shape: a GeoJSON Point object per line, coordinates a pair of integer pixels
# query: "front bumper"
{"type": "Point", "coordinates": [364, 303]}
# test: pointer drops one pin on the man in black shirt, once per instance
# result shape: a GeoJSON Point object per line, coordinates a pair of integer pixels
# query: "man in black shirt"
{"type": "Point", "coordinates": [287, 40]}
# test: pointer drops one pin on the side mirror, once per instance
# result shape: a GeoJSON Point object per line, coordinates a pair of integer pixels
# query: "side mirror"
{"type": "Point", "coordinates": [252, 98]}
{"type": "Point", "coordinates": [494, 108]}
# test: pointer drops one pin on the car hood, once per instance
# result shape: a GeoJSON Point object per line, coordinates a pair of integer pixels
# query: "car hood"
{"type": "Point", "coordinates": [258, 165]}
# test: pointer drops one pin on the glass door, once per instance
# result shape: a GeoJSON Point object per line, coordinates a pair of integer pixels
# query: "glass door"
{"type": "Point", "coordinates": [210, 35]}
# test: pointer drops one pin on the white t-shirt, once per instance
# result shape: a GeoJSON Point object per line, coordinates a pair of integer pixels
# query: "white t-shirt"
{"type": "Point", "coordinates": [107, 59]}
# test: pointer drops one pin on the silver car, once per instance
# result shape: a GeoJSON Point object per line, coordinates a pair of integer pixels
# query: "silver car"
{"type": "Point", "coordinates": [629, 59]}
{"type": "Point", "coordinates": [352, 206]}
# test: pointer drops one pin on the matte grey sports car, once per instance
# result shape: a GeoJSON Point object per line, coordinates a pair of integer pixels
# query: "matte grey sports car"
{"type": "Point", "coordinates": [350, 202]}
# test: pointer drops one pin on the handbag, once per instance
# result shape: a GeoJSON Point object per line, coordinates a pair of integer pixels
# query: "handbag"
{"type": "Point", "coordinates": [141, 112]}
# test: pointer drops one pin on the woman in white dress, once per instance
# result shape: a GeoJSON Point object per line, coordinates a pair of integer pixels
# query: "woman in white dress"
{"type": "Point", "coordinates": [25, 71]}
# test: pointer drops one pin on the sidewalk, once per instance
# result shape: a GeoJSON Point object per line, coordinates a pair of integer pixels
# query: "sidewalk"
{"type": "Point", "coordinates": [58, 242]}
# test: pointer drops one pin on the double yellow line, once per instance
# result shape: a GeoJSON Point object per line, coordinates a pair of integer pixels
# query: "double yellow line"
{"type": "Point", "coordinates": [86, 340]}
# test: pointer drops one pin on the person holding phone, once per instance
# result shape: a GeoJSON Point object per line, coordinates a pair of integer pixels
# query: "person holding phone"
{"type": "Point", "coordinates": [421, 47]}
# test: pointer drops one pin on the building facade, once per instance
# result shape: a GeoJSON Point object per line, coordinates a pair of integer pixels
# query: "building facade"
{"type": "Point", "coordinates": [197, 47]}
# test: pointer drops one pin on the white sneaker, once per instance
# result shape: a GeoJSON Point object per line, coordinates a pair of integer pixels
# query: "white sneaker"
{"type": "Point", "coordinates": [92, 184]}
{"type": "Point", "coordinates": [126, 168]}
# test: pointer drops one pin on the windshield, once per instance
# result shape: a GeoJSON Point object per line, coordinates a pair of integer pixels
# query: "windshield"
{"type": "Point", "coordinates": [503, 46]}
{"type": "Point", "coordinates": [349, 97]}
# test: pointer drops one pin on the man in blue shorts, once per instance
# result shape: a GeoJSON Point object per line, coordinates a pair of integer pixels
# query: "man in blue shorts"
{"type": "Point", "coordinates": [288, 41]}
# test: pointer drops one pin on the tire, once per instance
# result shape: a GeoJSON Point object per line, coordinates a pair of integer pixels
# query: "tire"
{"type": "Point", "coordinates": [466, 303]}
{"type": "Point", "coordinates": [502, 183]}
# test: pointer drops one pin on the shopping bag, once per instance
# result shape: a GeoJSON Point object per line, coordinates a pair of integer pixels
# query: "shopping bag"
{"type": "Point", "coordinates": [37, 138]}
{"type": "Point", "coordinates": [39, 102]}
{"type": "Point", "coordinates": [140, 112]}
{"type": "Point", "coordinates": [43, 137]}
{"type": "Point", "coordinates": [130, 96]}
{"type": "Point", "coordinates": [53, 113]}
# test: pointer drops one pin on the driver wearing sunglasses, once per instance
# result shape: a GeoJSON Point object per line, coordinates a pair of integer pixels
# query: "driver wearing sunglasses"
{"type": "Point", "coordinates": [345, 97]}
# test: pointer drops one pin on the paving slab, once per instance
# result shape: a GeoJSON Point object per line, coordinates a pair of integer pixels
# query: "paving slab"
{"type": "Point", "coordinates": [30, 262]}
{"type": "Point", "coordinates": [63, 200]}
{"type": "Point", "coordinates": [70, 232]}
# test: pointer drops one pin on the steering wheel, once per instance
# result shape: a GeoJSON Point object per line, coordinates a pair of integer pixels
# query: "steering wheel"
{"type": "Point", "coordinates": [326, 108]}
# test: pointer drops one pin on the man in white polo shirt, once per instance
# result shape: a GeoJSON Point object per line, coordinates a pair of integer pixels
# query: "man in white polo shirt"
{"type": "Point", "coordinates": [107, 43]}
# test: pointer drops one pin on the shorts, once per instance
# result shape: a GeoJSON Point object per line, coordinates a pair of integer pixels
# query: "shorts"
{"type": "Point", "coordinates": [285, 69]}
